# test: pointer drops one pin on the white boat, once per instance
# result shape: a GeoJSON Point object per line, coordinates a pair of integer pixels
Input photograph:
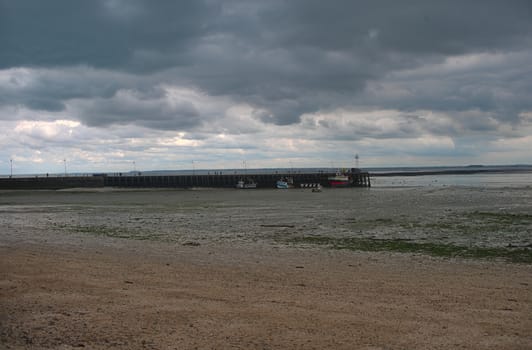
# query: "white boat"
{"type": "Point", "coordinates": [285, 183]}
{"type": "Point", "coordinates": [246, 184]}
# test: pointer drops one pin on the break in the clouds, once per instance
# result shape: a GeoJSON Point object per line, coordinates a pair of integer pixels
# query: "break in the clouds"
{"type": "Point", "coordinates": [166, 83]}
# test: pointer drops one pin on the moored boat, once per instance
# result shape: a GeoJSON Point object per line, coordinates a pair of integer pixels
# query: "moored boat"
{"type": "Point", "coordinates": [246, 184]}
{"type": "Point", "coordinates": [285, 183]}
{"type": "Point", "coordinates": [339, 180]}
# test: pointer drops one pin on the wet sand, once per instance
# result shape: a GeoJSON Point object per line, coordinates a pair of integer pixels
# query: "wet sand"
{"type": "Point", "coordinates": [205, 270]}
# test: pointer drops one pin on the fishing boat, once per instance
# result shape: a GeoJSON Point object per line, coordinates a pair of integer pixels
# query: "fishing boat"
{"type": "Point", "coordinates": [246, 184]}
{"type": "Point", "coordinates": [285, 183]}
{"type": "Point", "coordinates": [339, 180]}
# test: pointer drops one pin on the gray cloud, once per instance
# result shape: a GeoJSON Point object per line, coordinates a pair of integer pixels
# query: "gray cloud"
{"type": "Point", "coordinates": [145, 109]}
{"type": "Point", "coordinates": [47, 89]}
{"type": "Point", "coordinates": [422, 27]}
{"type": "Point", "coordinates": [135, 35]}
{"type": "Point", "coordinates": [106, 62]}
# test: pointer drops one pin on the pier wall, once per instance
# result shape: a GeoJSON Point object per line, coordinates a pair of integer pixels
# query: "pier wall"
{"type": "Point", "coordinates": [51, 183]}
{"type": "Point", "coordinates": [229, 180]}
{"type": "Point", "coordinates": [359, 179]}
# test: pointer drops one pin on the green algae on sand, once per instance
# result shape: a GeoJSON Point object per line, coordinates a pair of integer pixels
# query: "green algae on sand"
{"type": "Point", "coordinates": [510, 254]}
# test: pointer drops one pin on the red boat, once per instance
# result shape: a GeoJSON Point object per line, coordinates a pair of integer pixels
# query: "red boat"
{"type": "Point", "coordinates": [339, 180]}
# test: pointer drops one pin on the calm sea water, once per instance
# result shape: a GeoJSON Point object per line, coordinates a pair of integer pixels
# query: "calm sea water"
{"type": "Point", "coordinates": [471, 180]}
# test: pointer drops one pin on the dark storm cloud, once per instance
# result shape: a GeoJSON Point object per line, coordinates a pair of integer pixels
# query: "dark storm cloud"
{"type": "Point", "coordinates": [285, 58]}
{"type": "Point", "coordinates": [148, 109]}
{"type": "Point", "coordinates": [497, 87]}
{"type": "Point", "coordinates": [419, 26]}
{"type": "Point", "coordinates": [120, 34]}
{"type": "Point", "coordinates": [46, 89]}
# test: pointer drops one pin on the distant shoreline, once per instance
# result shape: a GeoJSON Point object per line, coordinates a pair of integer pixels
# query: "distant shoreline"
{"type": "Point", "coordinates": [463, 171]}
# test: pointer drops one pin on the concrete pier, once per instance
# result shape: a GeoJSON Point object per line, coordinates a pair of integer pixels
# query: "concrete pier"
{"type": "Point", "coordinates": [357, 179]}
{"type": "Point", "coordinates": [360, 179]}
{"type": "Point", "coordinates": [51, 183]}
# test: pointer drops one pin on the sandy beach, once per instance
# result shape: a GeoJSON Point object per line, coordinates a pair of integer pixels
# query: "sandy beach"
{"type": "Point", "coordinates": [222, 269]}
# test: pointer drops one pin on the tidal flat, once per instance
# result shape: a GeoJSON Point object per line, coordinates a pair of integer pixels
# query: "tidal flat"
{"type": "Point", "coordinates": [378, 268]}
{"type": "Point", "coordinates": [468, 222]}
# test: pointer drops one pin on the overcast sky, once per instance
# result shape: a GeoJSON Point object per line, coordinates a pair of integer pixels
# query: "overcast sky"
{"type": "Point", "coordinates": [112, 85]}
